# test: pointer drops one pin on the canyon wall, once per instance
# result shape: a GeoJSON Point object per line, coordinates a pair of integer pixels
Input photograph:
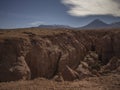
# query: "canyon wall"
{"type": "Point", "coordinates": [25, 54]}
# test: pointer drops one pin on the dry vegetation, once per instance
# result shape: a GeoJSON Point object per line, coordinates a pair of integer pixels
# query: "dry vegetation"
{"type": "Point", "coordinates": [24, 32]}
{"type": "Point", "coordinates": [110, 82]}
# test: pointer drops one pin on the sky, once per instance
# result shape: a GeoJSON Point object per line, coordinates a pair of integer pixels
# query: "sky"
{"type": "Point", "coordinates": [75, 13]}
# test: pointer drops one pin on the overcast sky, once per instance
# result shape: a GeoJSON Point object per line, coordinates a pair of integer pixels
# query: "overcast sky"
{"type": "Point", "coordinates": [29, 13]}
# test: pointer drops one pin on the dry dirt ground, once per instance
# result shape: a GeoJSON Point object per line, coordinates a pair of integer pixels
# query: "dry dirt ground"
{"type": "Point", "coordinates": [107, 82]}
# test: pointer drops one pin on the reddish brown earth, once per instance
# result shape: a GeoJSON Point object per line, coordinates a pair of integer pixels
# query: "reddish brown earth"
{"type": "Point", "coordinates": [70, 54]}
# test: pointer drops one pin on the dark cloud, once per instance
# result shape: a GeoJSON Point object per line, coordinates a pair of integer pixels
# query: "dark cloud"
{"type": "Point", "coordinates": [118, 1]}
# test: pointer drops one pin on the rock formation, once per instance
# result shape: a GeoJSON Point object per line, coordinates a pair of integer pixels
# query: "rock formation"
{"type": "Point", "coordinates": [27, 54]}
{"type": "Point", "coordinates": [69, 74]}
{"type": "Point", "coordinates": [12, 62]}
{"type": "Point", "coordinates": [113, 64]}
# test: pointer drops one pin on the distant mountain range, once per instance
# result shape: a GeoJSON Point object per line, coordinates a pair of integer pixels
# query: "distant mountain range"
{"type": "Point", "coordinates": [54, 26]}
{"type": "Point", "coordinates": [97, 24]}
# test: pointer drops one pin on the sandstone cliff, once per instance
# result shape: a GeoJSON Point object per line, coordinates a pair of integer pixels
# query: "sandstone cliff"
{"type": "Point", "coordinates": [31, 53]}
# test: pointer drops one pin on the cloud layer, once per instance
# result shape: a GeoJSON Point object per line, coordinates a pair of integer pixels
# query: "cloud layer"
{"type": "Point", "coordinates": [93, 7]}
{"type": "Point", "coordinates": [36, 23]}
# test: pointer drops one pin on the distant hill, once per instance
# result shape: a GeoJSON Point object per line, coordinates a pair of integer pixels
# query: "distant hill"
{"type": "Point", "coordinates": [54, 26]}
{"type": "Point", "coordinates": [115, 25]}
{"type": "Point", "coordinates": [97, 24]}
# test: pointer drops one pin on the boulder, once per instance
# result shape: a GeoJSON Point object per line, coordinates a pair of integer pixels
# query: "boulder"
{"type": "Point", "coordinates": [91, 58]}
{"type": "Point", "coordinates": [83, 70]}
{"type": "Point", "coordinates": [69, 74]}
{"type": "Point", "coordinates": [58, 78]}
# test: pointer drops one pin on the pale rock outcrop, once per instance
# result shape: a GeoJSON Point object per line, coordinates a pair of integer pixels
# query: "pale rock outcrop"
{"type": "Point", "coordinates": [91, 58]}
{"type": "Point", "coordinates": [12, 62]}
{"type": "Point", "coordinates": [20, 69]}
{"type": "Point", "coordinates": [58, 78]}
{"type": "Point", "coordinates": [88, 67]}
{"type": "Point", "coordinates": [112, 65]}
{"type": "Point", "coordinates": [83, 68]}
